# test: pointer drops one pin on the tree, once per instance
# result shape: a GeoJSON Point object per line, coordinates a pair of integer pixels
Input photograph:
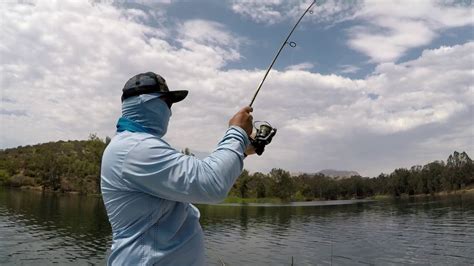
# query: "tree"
{"type": "Point", "coordinates": [260, 187]}
{"type": "Point", "coordinates": [282, 184]}
{"type": "Point", "coordinates": [243, 184]}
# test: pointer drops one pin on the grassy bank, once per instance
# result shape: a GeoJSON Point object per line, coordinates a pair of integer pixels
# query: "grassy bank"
{"type": "Point", "coordinates": [468, 190]}
{"type": "Point", "coordinates": [238, 200]}
{"type": "Point", "coordinates": [252, 200]}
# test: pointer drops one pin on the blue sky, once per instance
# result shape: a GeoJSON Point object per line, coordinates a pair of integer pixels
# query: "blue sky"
{"type": "Point", "coordinates": [371, 85]}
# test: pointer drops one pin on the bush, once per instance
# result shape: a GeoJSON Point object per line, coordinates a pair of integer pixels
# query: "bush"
{"type": "Point", "coordinates": [4, 177]}
{"type": "Point", "coordinates": [299, 196]}
{"type": "Point", "coordinates": [21, 180]}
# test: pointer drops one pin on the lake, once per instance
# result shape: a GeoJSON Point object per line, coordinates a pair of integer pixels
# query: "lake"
{"type": "Point", "coordinates": [43, 229]}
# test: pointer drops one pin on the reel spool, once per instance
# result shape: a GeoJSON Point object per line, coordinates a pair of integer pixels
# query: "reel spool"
{"type": "Point", "coordinates": [264, 136]}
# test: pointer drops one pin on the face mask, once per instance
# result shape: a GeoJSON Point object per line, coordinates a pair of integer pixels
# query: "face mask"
{"type": "Point", "coordinates": [158, 113]}
{"type": "Point", "coordinates": [149, 111]}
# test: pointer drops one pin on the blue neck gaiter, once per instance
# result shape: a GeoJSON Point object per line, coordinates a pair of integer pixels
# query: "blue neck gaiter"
{"type": "Point", "coordinates": [129, 125]}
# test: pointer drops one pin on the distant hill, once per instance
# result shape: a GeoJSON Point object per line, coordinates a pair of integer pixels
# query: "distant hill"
{"type": "Point", "coordinates": [338, 173]}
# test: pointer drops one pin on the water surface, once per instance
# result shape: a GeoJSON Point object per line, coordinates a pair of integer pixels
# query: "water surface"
{"type": "Point", "coordinates": [37, 228]}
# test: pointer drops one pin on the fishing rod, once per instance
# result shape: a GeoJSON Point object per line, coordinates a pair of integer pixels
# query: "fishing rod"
{"type": "Point", "coordinates": [285, 42]}
{"type": "Point", "coordinates": [265, 131]}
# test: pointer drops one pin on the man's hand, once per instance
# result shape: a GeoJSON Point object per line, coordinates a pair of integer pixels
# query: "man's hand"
{"type": "Point", "coordinates": [250, 148]}
{"type": "Point", "coordinates": [243, 119]}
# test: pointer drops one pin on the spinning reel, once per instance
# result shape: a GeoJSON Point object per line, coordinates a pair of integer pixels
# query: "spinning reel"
{"type": "Point", "coordinates": [265, 133]}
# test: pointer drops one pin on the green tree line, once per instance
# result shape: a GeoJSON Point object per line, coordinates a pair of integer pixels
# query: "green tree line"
{"type": "Point", "coordinates": [75, 166]}
{"type": "Point", "coordinates": [438, 176]}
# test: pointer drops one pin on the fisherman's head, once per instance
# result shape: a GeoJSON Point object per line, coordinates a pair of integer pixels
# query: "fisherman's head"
{"type": "Point", "coordinates": [147, 100]}
{"type": "Point", "coordinates": [149, 83]}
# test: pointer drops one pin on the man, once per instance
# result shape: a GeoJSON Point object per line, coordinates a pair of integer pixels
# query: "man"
{"type": "Point", "coordinates": [147, 186]}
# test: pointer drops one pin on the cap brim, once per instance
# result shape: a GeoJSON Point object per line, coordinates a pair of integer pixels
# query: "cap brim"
{"type": "Point", "coordinates": [175, 96]}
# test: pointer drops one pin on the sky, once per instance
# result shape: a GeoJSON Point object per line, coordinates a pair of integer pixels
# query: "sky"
{"type": "Point", "coordinates": [371, 85]}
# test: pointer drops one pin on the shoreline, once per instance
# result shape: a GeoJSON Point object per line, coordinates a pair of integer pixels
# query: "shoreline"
{"type": "Point", "coordinates": [239, 200]}
{"type": "Point", "coordinates": [39, 189]}
{"type": "Point", "coordinates": [468, 190]}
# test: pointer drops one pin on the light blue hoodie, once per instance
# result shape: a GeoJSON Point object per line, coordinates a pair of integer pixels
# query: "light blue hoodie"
{"type": "Point", "coordinates": [147, 188]}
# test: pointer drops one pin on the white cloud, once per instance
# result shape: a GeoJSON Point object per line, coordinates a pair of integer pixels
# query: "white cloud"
{"type": "Point", "coordinates": [64, 64]}
{"type": "Point", "coordinates": [390, 39]}
{"type": "Point", "coordinates": [260, 11]}
{"type": "Point", "coordinates": [394, 27]}
{"type": "Point", "coordinates": [209, 41]}
{"type": "Point", "coordinates": [323, 116]}
{"type": "Point", "coordinates": [345, 69]}
{"type": "Point", "coordinates": [276, 11]}
{"type": "Point", "coordinates": [430, 89]}
{"type": "Point", "coordinates": [301, 66]}
{"type": "Point", "coordinates": [383, 30]}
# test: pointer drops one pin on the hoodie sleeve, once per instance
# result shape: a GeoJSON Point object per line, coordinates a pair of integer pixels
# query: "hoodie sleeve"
{"type": "Point", "coordinates": [155, 168]}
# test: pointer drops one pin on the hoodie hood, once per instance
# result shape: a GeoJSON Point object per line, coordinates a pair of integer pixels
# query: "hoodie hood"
{"type": "Point", "coordinates": [149, 111]}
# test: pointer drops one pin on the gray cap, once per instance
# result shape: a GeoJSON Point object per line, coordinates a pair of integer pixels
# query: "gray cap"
{"type": "Point", "coordinates": [150, 82]}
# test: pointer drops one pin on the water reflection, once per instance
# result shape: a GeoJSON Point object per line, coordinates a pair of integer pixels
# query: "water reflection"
{"type": "Point", "coordinates": [47, 228]}
{"type": "Point", "coordinates": [418, 231]}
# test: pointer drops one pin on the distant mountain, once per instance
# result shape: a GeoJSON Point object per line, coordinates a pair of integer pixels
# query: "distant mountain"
{"type": "Point", "coordinates": [338, 173]}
